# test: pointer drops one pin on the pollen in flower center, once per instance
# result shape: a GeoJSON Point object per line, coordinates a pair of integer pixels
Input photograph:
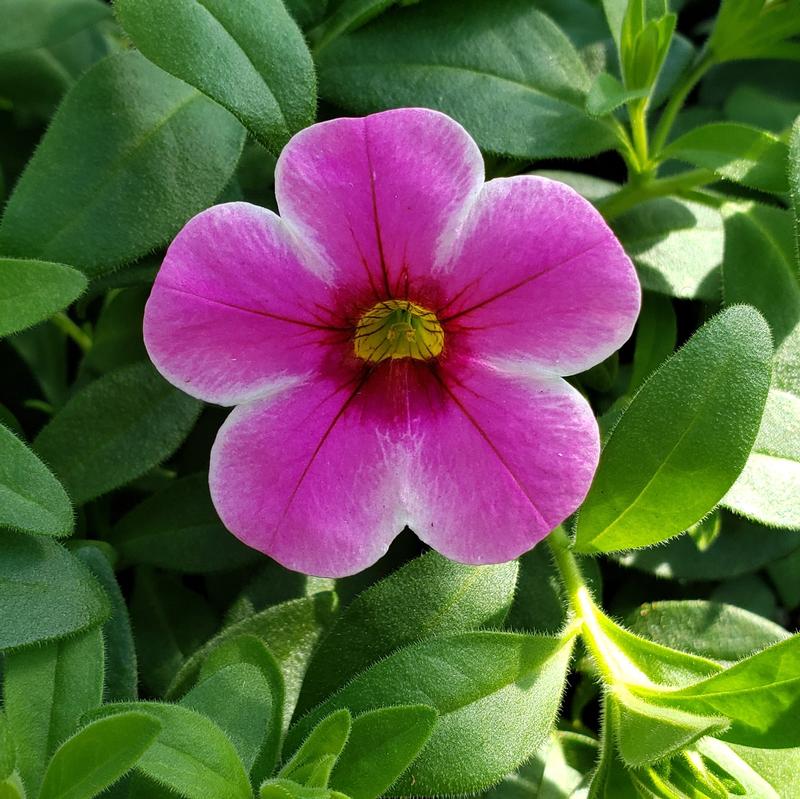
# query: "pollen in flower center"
{"type": "Point", "coordinates": [398, 329]}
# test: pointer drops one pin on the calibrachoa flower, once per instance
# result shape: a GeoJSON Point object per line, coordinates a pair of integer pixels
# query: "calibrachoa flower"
{"type": "Point", "coordinates": [395, 344]}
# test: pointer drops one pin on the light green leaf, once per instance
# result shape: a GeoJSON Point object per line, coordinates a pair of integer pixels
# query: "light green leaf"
{"type": "Point", "coordinates": [47, 689]}
{"type": "Point", "coordinates": [249, 56]}
{"type": "Point", "coordinates": [647, 733]}
{"type": "Point", "coordinates": [497, 695]}
{"type": "Point", "coordinates": [761, 696]}
{"type": "Point", "coordinates": [429, 596]}
{"type": "Point", "coordinates": [136, 420]}
{"type": "Point", "coordinates": [191, 755]}
{"type": "Point", "coordinates": [290, 631]}
{"type": "Point", "coordinates": [238, 700]}
{"type": "Point", "coordinates": [677, 246]}
{"type": "Point", "coordinates": [178, 529]}
{"type": "Point", "coordinates": [506, 72]}
{"type": "Point", "coordinates": [699, 415]}
{"type": "Point", "coordinates": [768, 489]}
{"type": "Point", "coordinates": [45, 593]}
{"type": "Point", "coordinates": [321, 749]}
{"type": "Point", "coordinates": [743, 154]}
{"type": "Point", "coordinates": [31, 499]}
{"type": "Point", "coordinates": [710, 629]}
{"type": "Point", "coordinates": [607, 94]}
{"type": "Point", "coordinates": [382, 745]}
{"type": "Point", "coordinates": [31, 291]}
{"type": "Point", "coordinates": [794, 178]}
{"type": "Point", "coordinates": [98, 755]}
{"type": "Point", "coordinates": [131, 154]}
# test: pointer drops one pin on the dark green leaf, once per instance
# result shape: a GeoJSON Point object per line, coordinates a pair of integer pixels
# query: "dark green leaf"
{"type": "Point", "coordinates": [382, 745]}
{"type": "Point", "coordinates": [31, 499]}
{"type": "Point", "coordinates": [31, 291]}
{"type": "Point", "coordinates": [45, 593]}
{"type": "Point", "coordinates": [739, 153]}
{"type": "Point", "coordinates": [607, 94]}
{"type": "Point", "coordinates": [115, 430]}
{"type": "Point", "coordinates": [710, 629]}
{"type": "Point", "coordinates": [178, 529]}
{"type": "Point", "coordinates": [497, 695]}
{"type": "Point", "coordinates": [506, 72]}
{"type": "Point", "coordinates": [121, 677]}
{"type": "Point", "coordinates": [699, 415]}
{"type": "Point", "coordinates": [656, 335]}
{"type": "Point", "coordinates": [290, 631]}
{"type": "Point", "coordinates": [47, 689]}
{"type": "Point", "coordinates": [98, 755]}
{"type": "Point", "coordinates": [429, 596]}
{"type": "Point", "coordinates": [249, 56]}
{"type": "Point", "coordinates": [794, 177]}
{"type": "Point", "coordinates": [130, 155]}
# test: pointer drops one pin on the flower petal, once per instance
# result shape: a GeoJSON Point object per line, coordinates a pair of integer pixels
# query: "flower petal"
{"type": "Point", "coordinates": [303, 477]}
{"type": "Point", "coordinates": [380, 196]}
{"type": "Point", "coordinates": [234, 313]}
{"type": "Point", "coordinates": [538, 277]}
{"type": "Point", "coordinates": [510, 458]}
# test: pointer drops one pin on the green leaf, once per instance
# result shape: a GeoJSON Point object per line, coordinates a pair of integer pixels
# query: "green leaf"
{"type": "Point", "coordinates": [497, 695]}
{"type": "Point", "coordinates": [755, 29]}
{"type": "Point", "coordinates": [758, 234]}
{"type": "Point", "coordinates": [178, 529]}
{"type": "Point", "coordinates": [761, 696]}
{"type": "Point", "coordinates": [506, 72]}
{"type": "Point", "coordinates": [32, 24]}
{"type": "Point", "coordinates": [45, 593]}
{"type": "Point", "coordinates": [741, 548]}
{"type": "Point", "coordinates": [238, 700]}
{"type": "Point", "coordinates": [31, 291]}
{"type": "Point", "coordinates": [136, 420]}
{"type": "Point", "coordinates": [699, 415]}
{"type": "Point", "coordinates": [429, 596]}
{"type": "Point", "coordinates": [249, 56]}
{"type": "Point", "coordinates": [47, 689]}
{"type": "Point", "coordinates": [794, 178]}
{"type": "Point", "coordinates": [8, 752]}
{"type": "Point", "coordinates": [677, 246]}
{"type": "Point", "coordinates": [608, 94]}
{"type": "Point", "coordinates": [311, 764]}
{"type": "Point", "coordinates": [247, 649]}
{"type": "Point", "coordinates": [31, 499]}
{"type": "Point", "coordinates": [131, 154]}
{"type": "Point", "coordinates": [121, 679]}
{"type": "Point", "coordinates": [345, 15]}
{"type": "Point", "coordinates": [382, 745]}
{"type": "Point", "coordinates": [290, 631]}
{"type": "Point", "coordinates": [191, 755]}
{"type": "Point", "coordinates": [171, 622]}
{"type": "Point", "coordinates": [647, 733]}
{"type": "Point", "coordinates": [768, 489]}
{"type": "Point", "coordinates": [709, 629]}
{"type": "Point", "coordinates": [98, 755]}
{"type": "Point", "coordinates": [656, 336]}
{"type": "Point", "coordinates": [740, 153]}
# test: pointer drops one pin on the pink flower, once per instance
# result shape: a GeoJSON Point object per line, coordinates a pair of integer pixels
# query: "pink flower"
{"type": "Point", "coordinates": [394, 343]}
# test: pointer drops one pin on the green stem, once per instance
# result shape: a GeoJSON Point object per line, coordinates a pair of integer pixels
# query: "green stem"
{"type": "Point", "coordinates": [634, 193]}
{"type": "Point", "coordinates": [676, 101]}
{"type": "Point", "coordinates": [70, 329]}
{"type": "Point", "coordinates": [638, 116]}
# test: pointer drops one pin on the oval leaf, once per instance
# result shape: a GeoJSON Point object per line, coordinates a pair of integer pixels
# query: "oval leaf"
{"type": "Point", "coordinates": [31, 291]}
{"type": "Point", "coordinates": [249, 56]}
{"type": "Point", "coordinates": [129, 156]}
{"type": "Point", "coordinates": [684, 438]}
{"type": "Point", "coordinates": [115, 430]}
{"type": "Point", "coordinates": [31, 499]}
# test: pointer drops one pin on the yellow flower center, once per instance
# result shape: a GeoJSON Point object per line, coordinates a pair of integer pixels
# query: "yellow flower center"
{"type": "Point", "coordinates": [398, 329]}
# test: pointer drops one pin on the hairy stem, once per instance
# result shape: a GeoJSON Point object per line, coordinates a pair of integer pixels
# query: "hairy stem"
{"type": "Point", "coordinates": [71, 330]}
